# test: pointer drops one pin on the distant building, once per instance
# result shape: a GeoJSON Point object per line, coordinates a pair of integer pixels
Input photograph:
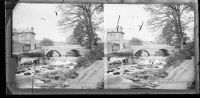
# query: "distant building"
{"type": "Point", "coordinates": [115, 41]}
{"type": "Point", "coordinates": [24, 39]}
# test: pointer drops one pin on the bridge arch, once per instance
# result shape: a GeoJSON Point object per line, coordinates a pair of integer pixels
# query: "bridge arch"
{"type": "Point", "coordinates": [73, 52]}
{"type": "Point", "coordinates": [53, 53]}
{"type": "Point", "coordinates": [141, 51]}
{"type": "Point", "coordinates": [162, 52]}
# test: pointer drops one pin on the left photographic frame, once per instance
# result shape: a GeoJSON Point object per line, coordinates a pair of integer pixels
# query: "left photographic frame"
{"type": "Point", "coordinates": [51, 48]}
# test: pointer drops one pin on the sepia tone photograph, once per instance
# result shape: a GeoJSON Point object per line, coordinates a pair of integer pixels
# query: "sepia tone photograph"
{"type": "Point", "coordinates": [58, 46]}
{"type": "Point", "coordinates": [149, 46]}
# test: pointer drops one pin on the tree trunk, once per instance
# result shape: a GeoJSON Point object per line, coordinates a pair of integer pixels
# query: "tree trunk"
{"type": "Point", "coordinates": [87, 23]}
{"type": "Point", "coordinates": [91, 27]}
{"type": "Point", "coordinates": [180, 27]}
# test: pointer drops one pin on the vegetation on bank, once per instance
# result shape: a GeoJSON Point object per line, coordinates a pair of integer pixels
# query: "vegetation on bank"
{"type": "Point", "coordinates": [89, 58]}
{"type": "Point", "coordinates": [28, 55]}
{"type": "Point", "coordinates": [179, 56]}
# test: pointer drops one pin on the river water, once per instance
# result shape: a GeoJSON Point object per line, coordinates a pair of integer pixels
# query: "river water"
{"type": "Point", "coordinates": [143, 72]}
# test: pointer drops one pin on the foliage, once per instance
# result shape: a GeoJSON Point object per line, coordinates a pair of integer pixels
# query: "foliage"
{"type": "Point", "coordinates": [81, 37]}
{"type": "Point", "coordinates": [89, 58]}
{"type": "Point", "coordinates": [84, 19]}
{"type": "Point", "coordinates": [46, 42]}
{"type": "Point", "coordinates": [99, 46]}
{"type": "Point", "coordinates": [82, 62]}
{"type": "Point", "coordinates": [190, 48]}
{"type": "Point", "coordinates": [172, 19]}
{"type": "Point", "coordinates": [95, 54]}
{"type": "Point", "coordinates": [178, 57]}
{"type": "Point", "coordinates": [71, 40]}
{"type": "Point", "coordinates": [181, 55]}
{"type": "Point", "coordinates": [135, 41]}
{"type": "Point", "coordinates": [168, 35]}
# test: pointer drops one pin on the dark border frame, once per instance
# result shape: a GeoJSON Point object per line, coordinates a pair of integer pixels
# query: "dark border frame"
{"type": "Point", "coordinates": [11, 63]}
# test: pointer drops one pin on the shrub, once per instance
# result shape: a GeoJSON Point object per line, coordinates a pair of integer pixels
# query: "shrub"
{"type": "Point", "coordinates": [190, 48]}
{"type": "Point", "coordinates": [82, 62]}
{"type": "Point", "coordinates": [183, 55]}
{"type": "Point", "coordinates": [99, 46]}
{"type": "Point", "coordinates": [95, 55]}
{"type": "Point", "coordinates": [191, 51]}
{"type": "Point", "coordinates": [178, 57]}
{"type": "Point", "coordinates": [89, 58]}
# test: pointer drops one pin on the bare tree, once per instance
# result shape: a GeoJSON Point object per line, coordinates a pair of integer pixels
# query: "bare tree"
{"type": "Point", "coordinates": [135, 41]}
{"type": "Point", "coordinates": [175, 14]}
{"type": "Point", "coordinates": [89, 15]}
{"type": "Point", "coordinates": [46, 42]}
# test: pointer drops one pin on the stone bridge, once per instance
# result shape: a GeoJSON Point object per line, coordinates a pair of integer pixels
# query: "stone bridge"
{"type": "Point", "coordinates": [151, 49]}
{"type": "Point", "coordinates": [64, 49]}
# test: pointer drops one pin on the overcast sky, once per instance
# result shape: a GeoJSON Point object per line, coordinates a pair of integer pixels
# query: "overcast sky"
{"type": "Point", "coordinates": [131, 15]}
{"type": "Point", "coordinates": [40, 16]}
{"type": "Point", "coordinates": [44, 20]}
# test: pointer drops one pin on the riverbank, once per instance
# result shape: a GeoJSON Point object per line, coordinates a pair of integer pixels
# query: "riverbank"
{"type": "Point", "coordinates": [134, 76]}
{"type": "Point", "coordinates": [180, 77]}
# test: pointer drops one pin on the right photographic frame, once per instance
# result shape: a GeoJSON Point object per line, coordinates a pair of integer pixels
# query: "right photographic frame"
{"type": "Point", "coordinates": [150, 46]}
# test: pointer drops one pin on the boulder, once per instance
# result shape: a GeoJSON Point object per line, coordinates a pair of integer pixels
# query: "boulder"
{"type": "Point", "coordinates": [37, 71]}
{"type": "Point", "coordinates": [64, 84]}
{"type": "Point", "coordinates": [38, 81]}
{"type": "Point", "coordinates": [110, 70]}
{"type": "Point", "coordinates": [125, 70]}
{"type": "Point", "coordinates": [116, 73]}
{"type": "Point", "coordinates": [156, 62]}
{"type": "Point", "coordinates": [139, 67]}
{"type": "Point", "coordinates": [18, 72]}
{"type": "Point", "coordinates": [46, 80]}
{"type": "Point", "coordinates": [27, 73]}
